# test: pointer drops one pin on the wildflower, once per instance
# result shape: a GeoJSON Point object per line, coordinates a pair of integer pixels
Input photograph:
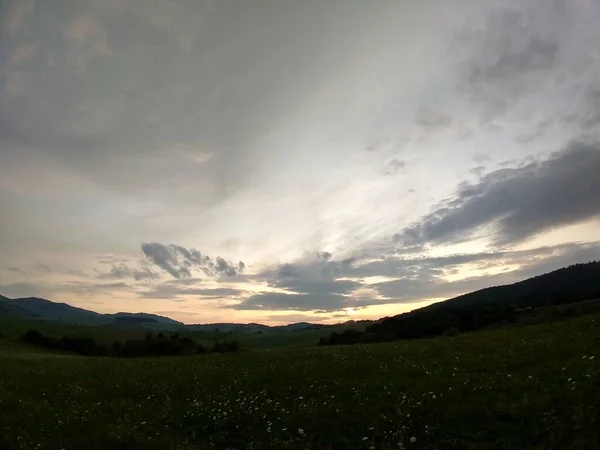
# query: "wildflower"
{"type": "Point", "coordinates": [300, 431]}
{"type": "Point", "coordinates": [413, 440]}
{"type": "Point", "coordinates": [365, 438]}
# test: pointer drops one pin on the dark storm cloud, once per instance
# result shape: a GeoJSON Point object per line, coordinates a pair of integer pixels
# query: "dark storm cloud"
{"type": "Point", "coordinates": [179, 261]}
{"type": "Point", "coordinates": [519, 202]}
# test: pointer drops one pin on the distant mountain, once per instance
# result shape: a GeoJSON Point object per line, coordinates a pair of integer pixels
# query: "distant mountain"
{"type": "Point", "coordinates": [60, 312]}
{"type": "Point", "coordinates": [42, 309]}
{"type": "Point", "coordinates": [250, 328]}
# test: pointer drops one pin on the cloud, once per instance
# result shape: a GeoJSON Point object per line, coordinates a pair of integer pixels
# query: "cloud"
{"type": "Point", "coordinates": [44, 267]}
{"type": "Point", "coordinates": [15, 14]}
{"type": "Point", "coordinates": [416, 279]}
{"type": "Point", "coordinates": [520, 202]}
{"type": "Point", "coordinates": [314, 276]}
{"type": "Point", "coordinates": [421, 278]}
{"type": "Point", "coordinates": [15, 84]}
{"type": "Point", "coordinates": [121, 271]}
{"type": "Point", "coordinates": [394, 166]}
{"type": "Point", "coordinates": [508, 54]}
{"type": "Point", "coordinates": [169, 258]}
{"type": "Point", "coordinates": [86, 29]}
{"type": "Point", "coordinates": [432, 119]}
{"type": "Point", "coordinates": [179, 261]}
{"type": "Point", "coordinates": [110, 286]}
{"type": "Point", "coordinates": [296, 302]}
{"type": "Point", "coordinates": [172, 291]}
{"type": "Point", "coordinates": [24, 289]}
{"type": "Point", "coordinates": [23, 53]}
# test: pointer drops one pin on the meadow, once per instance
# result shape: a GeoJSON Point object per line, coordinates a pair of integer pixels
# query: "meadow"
{"type": "Point", "coordinates": [534, 386]}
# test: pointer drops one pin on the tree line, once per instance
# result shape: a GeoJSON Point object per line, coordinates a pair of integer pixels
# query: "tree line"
{"type": "Point", "coordinates": [151, 345]}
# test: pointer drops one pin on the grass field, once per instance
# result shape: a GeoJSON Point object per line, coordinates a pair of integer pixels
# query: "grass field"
{"type": "Point", "coordinates": [530, 387]}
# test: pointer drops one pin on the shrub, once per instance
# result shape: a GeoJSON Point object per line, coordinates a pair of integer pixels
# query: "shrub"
{"type": "Point", "coordinates": [226, 347]}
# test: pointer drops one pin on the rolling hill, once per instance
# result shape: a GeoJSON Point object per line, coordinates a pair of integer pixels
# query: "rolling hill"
{"type": "Point", "coordinates": [46, 310]}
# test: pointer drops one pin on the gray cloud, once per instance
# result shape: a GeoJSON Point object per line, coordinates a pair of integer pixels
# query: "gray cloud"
{"type": "Point", "coordinates": [110, 286]}
{"type": "Point", "coordinates": [25, 289]}
{"type": "Point", "coordinates": [510, 52]}
{"type": "Point", "coordinates": [394, 166]}
{"type": "Point", "coordinates": [121, 271]}
{"type": "Point", "coordinates": [419, 278]}
{"type": "Point", "coordinates": [520, 202]}
{"type": "Point", "coordinates": [179, 261]}
{"type": "Point", "coordinates": [293, 302]}
{"type": "Point", "coordinates": [172, 291]}
{"type": "Point", "coordinates": [424, 278]}
{"type": "Point", "coordinates": [312, 276]}
{"type": "Point", "coordinates": [432, 119]}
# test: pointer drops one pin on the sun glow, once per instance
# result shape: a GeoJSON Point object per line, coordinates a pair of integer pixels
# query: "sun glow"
{"type": "Point", "coordinates": [350, 311]}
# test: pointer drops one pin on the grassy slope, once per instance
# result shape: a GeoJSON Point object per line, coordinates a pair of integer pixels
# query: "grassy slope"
{"type": "Point", "coordinates": [527, 387]}
{"type": "Point", "coordinates": [15, 326]}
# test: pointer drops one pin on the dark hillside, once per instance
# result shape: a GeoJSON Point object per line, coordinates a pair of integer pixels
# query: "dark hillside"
{"type": "Point", "coordinates": [487, 307]}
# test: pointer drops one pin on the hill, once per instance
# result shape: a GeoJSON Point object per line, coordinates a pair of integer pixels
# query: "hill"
{"type": "Point", "coordinates": [257, 328]}
{"type": "Point", "coordinates": [485, 308]}
{"type": "Point", "coordinates": [45, 310]}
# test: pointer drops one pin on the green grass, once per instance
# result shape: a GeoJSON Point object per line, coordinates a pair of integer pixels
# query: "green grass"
{"type": "Point", "coordinates": [529, 387]}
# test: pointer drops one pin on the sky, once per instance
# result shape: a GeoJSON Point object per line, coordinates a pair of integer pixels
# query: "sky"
{"type": "Point", "coordinates": [279, 161]}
